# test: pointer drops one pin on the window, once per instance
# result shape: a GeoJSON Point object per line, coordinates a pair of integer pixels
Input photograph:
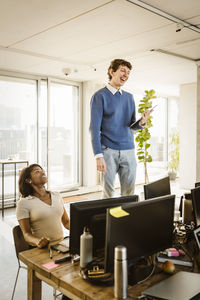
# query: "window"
{"type": "Point", "coordinates": [165, 119]}
{"type": "Point", "coordinates": [173, 115]}
{"type": "Point", "coordinates": [18, 125]}
{"type": "Point", "coordinates": [18, 118]}
{"type": "Point", "coordinates": [40, 123]}
{"type": "Point", "coordinates": [63, 136]}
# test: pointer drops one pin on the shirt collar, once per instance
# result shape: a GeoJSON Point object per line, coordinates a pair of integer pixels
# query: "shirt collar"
{"type": "Point", "coordinates": [112, 89]}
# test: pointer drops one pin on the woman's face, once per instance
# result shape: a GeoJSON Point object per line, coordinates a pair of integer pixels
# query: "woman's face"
{"type": "Point", "coordinates": [38, 176]}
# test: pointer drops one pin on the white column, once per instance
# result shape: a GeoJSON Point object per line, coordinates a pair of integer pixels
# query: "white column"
{"type": "Point", "coordinates": [198, 125]}
{"type": "Point", "coordinates": [89, 162]}
{"type": "Point", "coordinates": [188, 135]}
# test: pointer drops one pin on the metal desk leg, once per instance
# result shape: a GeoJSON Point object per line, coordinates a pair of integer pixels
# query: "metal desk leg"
{"type": "Point", "coordinates": [15, 184]}
{"type": "Point", "coordinates": [2, 199]}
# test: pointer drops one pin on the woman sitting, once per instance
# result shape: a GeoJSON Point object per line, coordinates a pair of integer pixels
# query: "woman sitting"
{"type": "Point", "coordinates": [40, 213]}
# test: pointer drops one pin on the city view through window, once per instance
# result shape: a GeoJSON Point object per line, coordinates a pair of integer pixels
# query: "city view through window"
{"type": "Point", "coordinates": [39, 130]}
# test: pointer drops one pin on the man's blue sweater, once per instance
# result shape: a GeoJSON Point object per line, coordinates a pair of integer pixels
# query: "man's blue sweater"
{"type": "Point", "coordinates": [111, 117]}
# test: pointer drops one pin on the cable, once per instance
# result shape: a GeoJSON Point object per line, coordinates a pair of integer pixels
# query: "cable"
{"type": "Point", "coordinates": [152, 271]}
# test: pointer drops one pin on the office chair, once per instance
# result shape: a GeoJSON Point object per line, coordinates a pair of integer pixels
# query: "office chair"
{"type": "Point", "coordinates": [160, 187]}
{"type": "Point", "coordinates": [22, 245]}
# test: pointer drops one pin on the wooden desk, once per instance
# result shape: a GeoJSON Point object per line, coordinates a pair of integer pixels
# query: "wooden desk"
{"type": "Point", "coordinates": [67, 280]}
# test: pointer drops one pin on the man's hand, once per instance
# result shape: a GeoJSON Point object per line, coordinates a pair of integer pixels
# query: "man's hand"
{"type": "Point", "coordinates": [145, 117]}
{"type": "Point", "coordinates": [101, 164]}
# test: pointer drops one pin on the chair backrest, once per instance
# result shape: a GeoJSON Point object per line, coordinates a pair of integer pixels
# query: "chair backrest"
{"type": "Point", "coordinates": [196, 205]}
{"type": "Point", "coordinates": [160, 187]}
{"type": "Point", "coordinates": [19, 241]}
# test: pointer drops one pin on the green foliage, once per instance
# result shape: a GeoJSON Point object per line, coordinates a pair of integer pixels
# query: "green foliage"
{"type": "Point", "coordinates": [143, 135]}
{"type": "Point", "coordinates": [174, 152]}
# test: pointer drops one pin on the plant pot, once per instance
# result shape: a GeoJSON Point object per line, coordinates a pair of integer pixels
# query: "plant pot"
{"type": "Point", "coordinates": [172, 175]}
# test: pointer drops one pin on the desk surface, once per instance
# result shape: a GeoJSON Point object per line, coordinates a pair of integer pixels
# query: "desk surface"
{"type": "Point", "coordinates": [67, 280]}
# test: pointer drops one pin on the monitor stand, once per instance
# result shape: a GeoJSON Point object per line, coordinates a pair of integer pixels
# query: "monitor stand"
{"type": "Point", "coordinates": [140, 271]}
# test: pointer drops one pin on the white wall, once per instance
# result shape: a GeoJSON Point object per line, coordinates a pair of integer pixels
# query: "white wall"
{"type": "Point", "coordinates": [188, 135]}
{"type": "Point", "coordinates": [89, 162]}
{"type": "Point", "coordinates": [198, 124]}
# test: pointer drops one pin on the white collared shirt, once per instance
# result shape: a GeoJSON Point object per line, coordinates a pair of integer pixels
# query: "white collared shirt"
{"type": "Point", "coordinates": [112, 89]}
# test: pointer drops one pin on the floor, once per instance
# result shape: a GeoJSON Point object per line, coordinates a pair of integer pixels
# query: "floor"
{"type": "Point", "coordinates": [8, 261]}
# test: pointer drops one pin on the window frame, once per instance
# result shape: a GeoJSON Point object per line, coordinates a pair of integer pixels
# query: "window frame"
{"type": "Point", "coordinates": [48, 79]}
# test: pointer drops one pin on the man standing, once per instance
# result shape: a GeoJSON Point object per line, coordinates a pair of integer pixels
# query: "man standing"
{"type": "Point", "coordinates": [112, 122]}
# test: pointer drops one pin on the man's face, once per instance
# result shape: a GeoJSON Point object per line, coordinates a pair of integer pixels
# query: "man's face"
{"type": "Point", "coordinates": [120, 76]}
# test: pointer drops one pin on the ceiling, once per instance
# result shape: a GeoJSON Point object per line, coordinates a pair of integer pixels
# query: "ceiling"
{"type": "Point", "coordinates": [43, 37]}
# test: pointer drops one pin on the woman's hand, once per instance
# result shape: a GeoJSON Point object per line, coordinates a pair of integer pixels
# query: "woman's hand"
{"type": "Point", "coordinates": [29, 237]}
{"type": "Point", "coordinates": [42, 242]}
{"type": "Point", "coordinates": [101, 164]}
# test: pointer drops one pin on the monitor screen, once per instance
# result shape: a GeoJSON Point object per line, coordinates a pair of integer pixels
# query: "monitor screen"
{"type": "Point", "coordinates": [196, 205]}
{"type": "Point", "coordinates": [93, 215]}
{"type": "Point", "coordinates": [145, 228]}
{"type": "Point", "coordinates": [157, 188]}
{"type": "Point", "coordinates": [197, 236]}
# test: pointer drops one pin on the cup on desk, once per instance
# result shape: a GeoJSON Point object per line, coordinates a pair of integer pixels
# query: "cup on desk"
{"type": "Point", "coordinates": [176, 216]}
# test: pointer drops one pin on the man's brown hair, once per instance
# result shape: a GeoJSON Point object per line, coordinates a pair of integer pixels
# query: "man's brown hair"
{"type": "Point", "coordinates": [114, 65]}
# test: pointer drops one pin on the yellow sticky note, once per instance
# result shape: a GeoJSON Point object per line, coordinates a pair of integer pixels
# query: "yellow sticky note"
{"type": "Point", "coordinates": [118, 212]}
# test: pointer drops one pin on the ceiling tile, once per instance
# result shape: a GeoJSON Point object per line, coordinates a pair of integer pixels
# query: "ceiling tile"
{"type": "Point", "coordinates": [23, 18]}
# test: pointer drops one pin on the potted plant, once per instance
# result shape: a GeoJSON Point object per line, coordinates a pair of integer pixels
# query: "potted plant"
{"type": "Point", "coordinates": [173, 162]}
{"type": "Point", "coordinates": [143, 135]}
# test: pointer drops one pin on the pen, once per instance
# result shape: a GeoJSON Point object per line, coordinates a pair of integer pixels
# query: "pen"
{"type": "Point", "coordinates": [50, 253]}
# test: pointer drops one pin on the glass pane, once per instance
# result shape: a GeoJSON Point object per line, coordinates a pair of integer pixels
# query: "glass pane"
{"type": "Point", "coordinates": [158, 141]}
{"type": "Point", "coordinates": [18, 125]}
{"type": "Point", "coordinates": [173, 134]}
{"type": "Point", "coordinates": [42, 128]}
{"type": "Point", "coordinates": [173, 108]}
{"type": "Point", "coordinates": [63, 136]}
{"type": "Point", "coordinates": [157, 168]}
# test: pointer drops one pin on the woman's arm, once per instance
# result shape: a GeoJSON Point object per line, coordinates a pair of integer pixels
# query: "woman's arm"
{"type": "Point", "coordinates": [65, 220]}
{"type": "Point", "coordinates": [29, 237]}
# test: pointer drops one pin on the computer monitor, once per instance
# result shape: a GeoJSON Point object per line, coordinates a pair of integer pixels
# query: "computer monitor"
{"type": "Point", "coordinates": [196, 205]}
{"type": "Point", "coordinates": [145, 230]}
{"type": "Point", "coordinates": [157, 188]}
{"type": "Point", "coordinates": [93, 215]}
{"type": "Point", "coordinates": [197, 184]}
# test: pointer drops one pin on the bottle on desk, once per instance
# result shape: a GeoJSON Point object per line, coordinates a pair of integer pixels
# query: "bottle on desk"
{"type": "Point", "coordinates": [86, 247]}
{"type": "Point", "coordinates": [120, 273]}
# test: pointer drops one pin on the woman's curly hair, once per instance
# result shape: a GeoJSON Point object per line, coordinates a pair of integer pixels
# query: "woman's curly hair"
{"type": "Point", "coordinates": [25, 187]}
